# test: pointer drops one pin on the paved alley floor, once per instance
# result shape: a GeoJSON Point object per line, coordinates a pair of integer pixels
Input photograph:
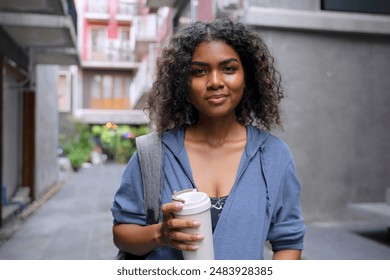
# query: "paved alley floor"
{"type": "Point", "coordinates": [76, 222]}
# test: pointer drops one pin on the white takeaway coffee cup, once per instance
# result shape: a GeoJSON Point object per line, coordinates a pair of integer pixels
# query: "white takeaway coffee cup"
{"type": "Point", "coordinates": [196, 206]}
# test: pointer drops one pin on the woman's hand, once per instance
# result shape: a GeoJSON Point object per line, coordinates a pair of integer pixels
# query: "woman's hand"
{"type": "Point", "coordinates": [171, 229]}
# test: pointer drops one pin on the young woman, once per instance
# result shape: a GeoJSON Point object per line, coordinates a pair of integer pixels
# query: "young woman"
{"type": "Point", "coordinates": [215, 99]}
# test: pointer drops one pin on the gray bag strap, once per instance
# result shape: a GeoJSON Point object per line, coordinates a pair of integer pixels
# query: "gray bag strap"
{"type": "Point", "coordinates": [149, 149]}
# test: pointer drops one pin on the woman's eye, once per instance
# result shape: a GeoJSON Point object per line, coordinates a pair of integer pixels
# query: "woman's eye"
{"type": "Point", "coordinates": [229, 69]}
{"type": "Point", "coordinates": [198, 71]}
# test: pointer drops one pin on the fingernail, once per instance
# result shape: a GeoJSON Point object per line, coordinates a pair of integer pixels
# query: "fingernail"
{"type": "Point", "coordinates": [195, 223]}
{"type": "Point", "coordinates": [179, 205]}
{"type": "Point", "coordinates": [200, 237]}
{"type": "Point", "coordinates": [194, 247]}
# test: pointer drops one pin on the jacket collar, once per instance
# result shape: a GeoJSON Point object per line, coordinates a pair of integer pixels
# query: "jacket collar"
{"type": "Point", "coordinates": [256, 139]}
{"type": "Point", "coordinates": [174, 140]}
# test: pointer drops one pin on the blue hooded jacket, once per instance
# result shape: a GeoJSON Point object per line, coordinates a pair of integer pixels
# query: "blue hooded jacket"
{"type": "Point", "coordinates": [263, 204]}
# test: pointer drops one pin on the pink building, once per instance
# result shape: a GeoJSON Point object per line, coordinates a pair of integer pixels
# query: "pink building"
{"type": "Point", "coordinates": [116, 39]}
{"type": "Point", "coordinates": [119, 41]}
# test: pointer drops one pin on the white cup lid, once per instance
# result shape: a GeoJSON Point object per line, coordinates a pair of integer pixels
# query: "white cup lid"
{"type": "Point", "coordinates": [194, 202]}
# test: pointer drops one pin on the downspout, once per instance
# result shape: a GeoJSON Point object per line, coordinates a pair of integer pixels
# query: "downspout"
{"type": "Point", "coordinates": [28, 145]}
{"type": "Point", "coordinates": [2, 75]}
{"type": "Point", "coordinates": [194, 10]}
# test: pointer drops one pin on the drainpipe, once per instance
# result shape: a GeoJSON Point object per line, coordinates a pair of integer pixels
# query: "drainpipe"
{"type": "Point", "coordinates": [1, 135]}
{"type": "Point", "coordinates": [31, 68]}
{"type": "Point", "coordinates": [194, 10]}
{"type": "Point", "coordinates": [28, 145]}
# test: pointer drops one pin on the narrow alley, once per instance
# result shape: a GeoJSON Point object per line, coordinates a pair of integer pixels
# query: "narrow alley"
{"type": "Point", "coordinates": [75, 224]}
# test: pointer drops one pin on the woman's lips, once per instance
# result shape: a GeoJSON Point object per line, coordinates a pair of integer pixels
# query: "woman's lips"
{"type": "Point", "coordinates": [217, 99]}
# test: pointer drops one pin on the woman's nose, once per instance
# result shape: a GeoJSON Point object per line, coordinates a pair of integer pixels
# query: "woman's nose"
{"type": "Point", "coordinates": [215, 80]}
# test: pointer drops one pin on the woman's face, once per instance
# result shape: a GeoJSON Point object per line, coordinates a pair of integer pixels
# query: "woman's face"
{"type": "Point", "coordinates": [217, 79]}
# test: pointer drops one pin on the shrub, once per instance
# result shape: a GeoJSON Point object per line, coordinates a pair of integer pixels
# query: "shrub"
{"type": "Point", "coordinates": [77, 144]}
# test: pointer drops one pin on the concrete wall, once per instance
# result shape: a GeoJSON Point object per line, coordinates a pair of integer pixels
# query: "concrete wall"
{"type": "Point", "coordinates": [12, 135]}
{"type": "Point", "coordinates": [336, 115]}
{"type": "Point", "coordinates": [337, 111]}
{"type": "Point", "coordinates": [47, 172]}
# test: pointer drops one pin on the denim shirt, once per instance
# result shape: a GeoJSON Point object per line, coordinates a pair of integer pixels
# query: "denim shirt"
{"type": "Point", "coordinates": [263, 204]}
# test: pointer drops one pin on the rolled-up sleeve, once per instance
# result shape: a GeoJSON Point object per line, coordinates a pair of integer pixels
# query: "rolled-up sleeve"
{"type": "Point", "coordinates": [128, 204]}
{"type": "Point", "coordinates": [287, 227]}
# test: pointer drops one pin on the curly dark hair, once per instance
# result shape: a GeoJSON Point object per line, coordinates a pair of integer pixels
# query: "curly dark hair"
{"type": "Point", "coordinates": [168, 103]}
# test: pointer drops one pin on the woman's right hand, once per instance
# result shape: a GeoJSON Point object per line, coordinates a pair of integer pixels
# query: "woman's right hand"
{"type": "Point", "coordinates": [171, 234]}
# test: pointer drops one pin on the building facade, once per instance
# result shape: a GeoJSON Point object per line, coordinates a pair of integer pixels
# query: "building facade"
{"type": "Point", "coordinates": [118, 40]}
{"type": "Point", "coordinates": [35, 37]}
{"type": "Point", "coordinates": [334, 57]}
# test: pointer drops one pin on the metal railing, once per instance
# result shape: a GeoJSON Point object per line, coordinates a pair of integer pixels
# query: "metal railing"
{"type": "Point", "coordinates": [112, 50]}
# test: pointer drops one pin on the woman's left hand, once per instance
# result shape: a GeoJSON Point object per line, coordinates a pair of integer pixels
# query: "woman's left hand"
{"type": "Point", "coordinates": [171, 229]}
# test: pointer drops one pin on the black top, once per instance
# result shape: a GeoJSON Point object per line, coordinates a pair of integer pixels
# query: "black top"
{"type": "Point", "coordinates": [217, 204]}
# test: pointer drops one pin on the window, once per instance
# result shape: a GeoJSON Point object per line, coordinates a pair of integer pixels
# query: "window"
{"type": "Point", "coordinates": [97, 50]}
{"type": "Point", "coordinates": [107, 86]}
{"type": "Point", "coordinates": [124, 34]}
{"type": "Point", "coordinates": [95, 88]}
{"type": "Point", "coordinates": [358, 6]}
{"type": "Point", "coordinates": [125, 52]}
{"type": "Point", "coordinates": [118, 89]}
{"type": "Point", "coordinates": [63, 92]}
{"type": "Point", "coordinates": [107, 91]}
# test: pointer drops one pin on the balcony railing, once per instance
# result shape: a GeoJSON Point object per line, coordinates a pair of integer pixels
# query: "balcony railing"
{"type": "Point", "coordinates": [144, 77]}
{"type": "Point", "coordinates": [127, 7]}
{"type": "Point", "coordinates": [97, 6]}
{"type": "Point", "coordinates": [146, 27]}
{"type": "Point", "coordinates": [126, 11]}
{"type": "Point", "coordinates": [112, 50]}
